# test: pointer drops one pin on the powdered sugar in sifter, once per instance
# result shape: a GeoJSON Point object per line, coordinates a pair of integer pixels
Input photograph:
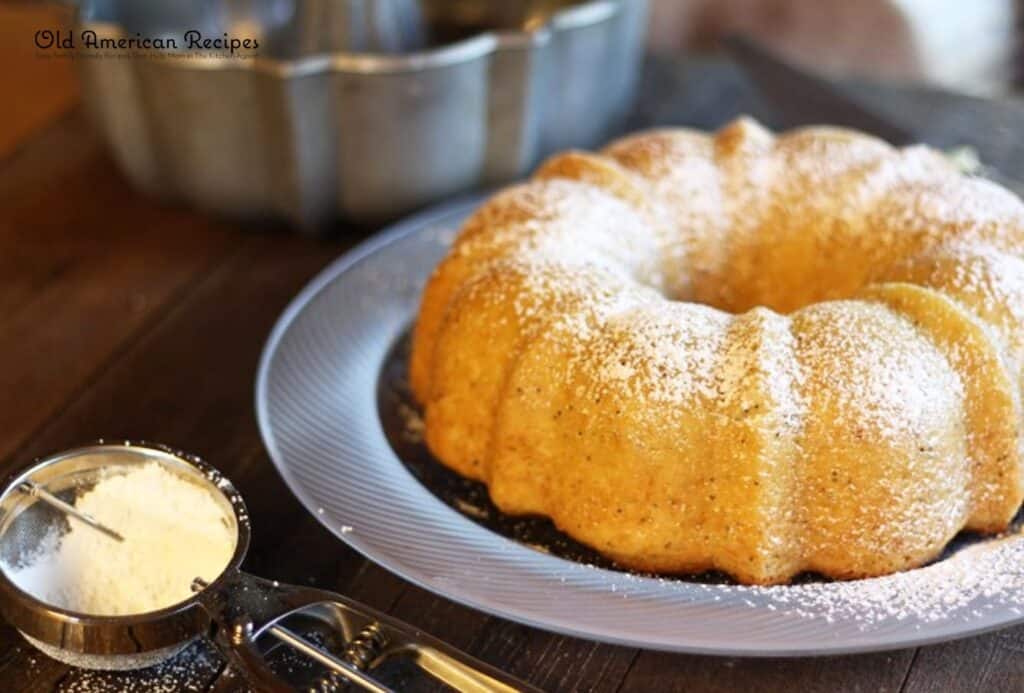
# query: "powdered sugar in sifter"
{"type": "Point", "coordinates": [245, 616]}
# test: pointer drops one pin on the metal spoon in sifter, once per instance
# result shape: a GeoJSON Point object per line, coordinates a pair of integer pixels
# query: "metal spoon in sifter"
{"type": "Point", "coordinates": [34, 489]}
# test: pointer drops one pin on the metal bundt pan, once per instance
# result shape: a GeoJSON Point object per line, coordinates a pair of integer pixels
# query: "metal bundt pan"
{"type": "Point", "coordinates": [360, 109]}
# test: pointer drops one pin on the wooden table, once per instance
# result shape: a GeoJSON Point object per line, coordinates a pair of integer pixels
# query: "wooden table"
{"type": "Point", "coordinates": [123, 317]}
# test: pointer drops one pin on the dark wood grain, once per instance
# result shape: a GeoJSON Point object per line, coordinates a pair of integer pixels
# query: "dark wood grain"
{"type": "Point", "coordinates": [676, 673]}
{"type": "Point", "coordinates": [993, 662]}
{"type": "Point", "coordinates": [79, 281]}
{"type": "Point", "coordinates": [123, 317]}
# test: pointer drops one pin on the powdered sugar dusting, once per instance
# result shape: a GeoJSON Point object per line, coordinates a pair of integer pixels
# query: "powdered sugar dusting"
{"type": "Point", "coordinates": [193, 669]}
{"type": "Point", "coordinates": [989, 573]}
{"type": "Point", "coordinates": [987, 281]}
{"type": "Point", "coordinates": [789, 222]}
{"type": "Point", "coordinates": [663, 357]}
{"type": "Point", "coordinates": [874, 370]}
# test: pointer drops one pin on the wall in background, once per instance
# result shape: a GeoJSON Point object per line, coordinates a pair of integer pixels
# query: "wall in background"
{"type": "Point", "coordinates": [968, 46]}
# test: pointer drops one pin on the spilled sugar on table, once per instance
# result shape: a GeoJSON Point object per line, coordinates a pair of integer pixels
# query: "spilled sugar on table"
{"type": "Point", "coordinates": [122, 316]}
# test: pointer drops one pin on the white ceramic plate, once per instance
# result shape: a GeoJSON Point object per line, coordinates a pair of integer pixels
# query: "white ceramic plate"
{"type": "Point", "coordinates": [316, 400]}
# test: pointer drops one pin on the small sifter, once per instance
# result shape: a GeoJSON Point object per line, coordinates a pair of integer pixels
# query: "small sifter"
{"type": "Point", "coordinates": [247, 617]}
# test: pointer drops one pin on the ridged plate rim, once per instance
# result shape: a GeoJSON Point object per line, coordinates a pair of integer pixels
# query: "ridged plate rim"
{"type": "Point", "coordinates": [470, 564]}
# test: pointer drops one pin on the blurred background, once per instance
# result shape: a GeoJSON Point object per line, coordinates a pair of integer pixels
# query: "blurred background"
{"type": "Point", "coordinates": [972, 48]}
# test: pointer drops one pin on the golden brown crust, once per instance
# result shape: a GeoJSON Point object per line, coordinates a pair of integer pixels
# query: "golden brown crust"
{"type": "Point", "coordinates": [852, 425]}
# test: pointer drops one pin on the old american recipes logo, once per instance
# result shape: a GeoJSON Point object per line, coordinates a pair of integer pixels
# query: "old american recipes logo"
{"type": "Point", "coordinates": [89, 41]}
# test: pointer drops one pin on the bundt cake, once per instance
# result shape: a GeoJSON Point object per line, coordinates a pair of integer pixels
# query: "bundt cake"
{"type": "Point", "coordinates": [755, 353]}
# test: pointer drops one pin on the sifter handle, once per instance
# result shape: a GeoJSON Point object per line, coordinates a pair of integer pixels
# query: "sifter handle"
{"type": "Point", "coordinates": [245, 610]}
